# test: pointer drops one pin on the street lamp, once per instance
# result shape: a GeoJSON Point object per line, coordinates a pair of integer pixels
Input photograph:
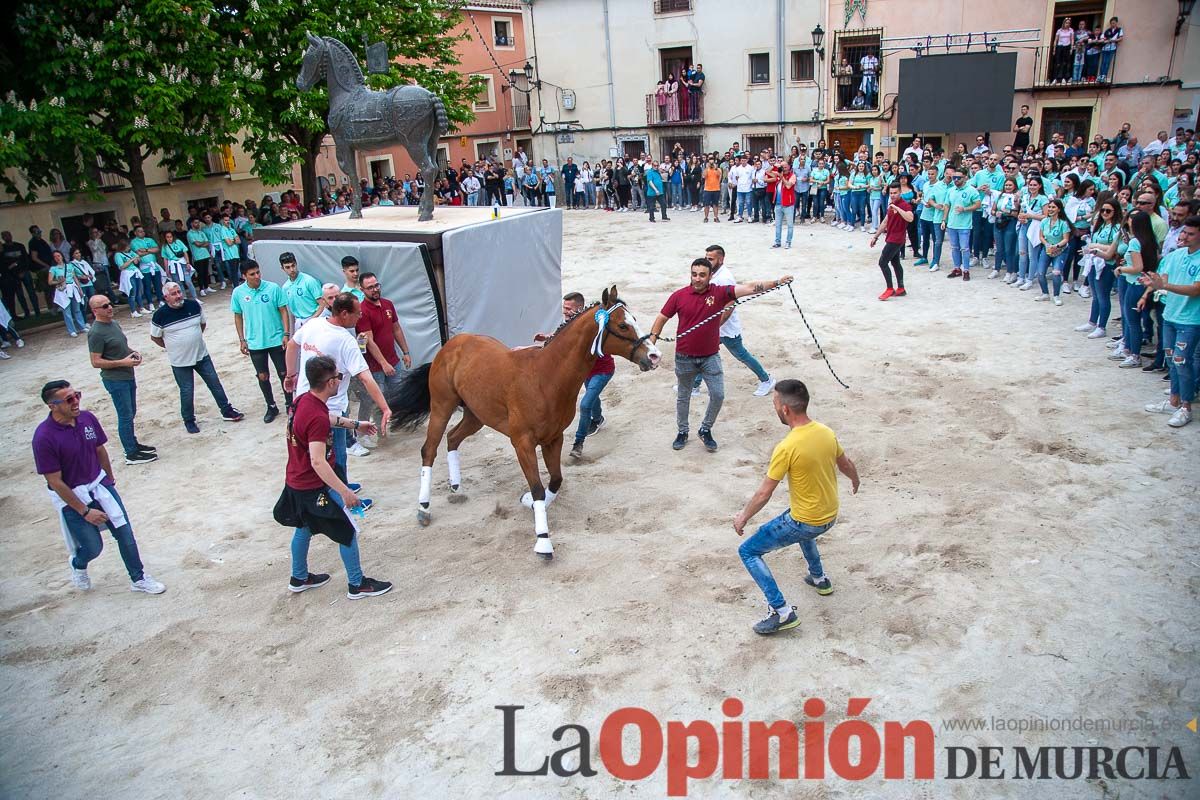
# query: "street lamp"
{"type": "Point", "coordinates": [528, 71]}
{"type": "Point", "coordinates": [1185, 10]}
{"type": "Point", "coordinates": [818, 39]}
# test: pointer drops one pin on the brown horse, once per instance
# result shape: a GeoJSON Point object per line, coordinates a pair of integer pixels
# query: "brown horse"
{"type": "Point", "coordinates": [527, 394]}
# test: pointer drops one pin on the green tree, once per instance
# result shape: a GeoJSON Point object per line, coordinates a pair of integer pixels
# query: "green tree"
{"type": "Point", "coordinates": [286, 125]}
{"type": "Point", "coordinates": [102, 86]}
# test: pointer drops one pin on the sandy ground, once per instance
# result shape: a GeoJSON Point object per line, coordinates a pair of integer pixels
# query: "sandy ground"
{"type": "Point", "coordinates": [1024, 544]}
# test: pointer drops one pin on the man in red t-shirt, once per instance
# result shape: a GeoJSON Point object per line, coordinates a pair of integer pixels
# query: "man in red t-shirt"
{"type": "Point", "coordinates": [381, 326]}
{"type": "Point", "coordinates": [315, 496]}
{"type": "Point", "coordinates": [895, 225]}
{"type": "Point", "coordinates": [696, 352]}
{"type": "Point", "coordinates": [591, 417]}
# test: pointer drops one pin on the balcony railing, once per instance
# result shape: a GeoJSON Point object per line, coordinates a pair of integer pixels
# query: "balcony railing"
{"type": "Point", "coordinates": [670, 6]}
{"type": "Point", "coordinates": [684, 108]}
{"type": "Point", "coordinates": [1058, 68]}
{"type": "Point", "coordinates": [520, 116]}
{"type": "Point", "coordinates": [846, 94]}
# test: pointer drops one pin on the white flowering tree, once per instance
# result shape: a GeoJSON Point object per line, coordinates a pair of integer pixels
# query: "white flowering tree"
{"type": "Point", "coordinates": [101, 86]}
{"type": "Point", "coordinates": [286, 125]}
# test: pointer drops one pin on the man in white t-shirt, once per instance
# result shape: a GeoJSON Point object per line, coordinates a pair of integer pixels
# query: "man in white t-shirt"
{"type": "Point", "coordinates": [731, 326]}
{"type": "Point", "coordinates": [332, 337]}
{"type": "Point", "coordinates": [741, 178]}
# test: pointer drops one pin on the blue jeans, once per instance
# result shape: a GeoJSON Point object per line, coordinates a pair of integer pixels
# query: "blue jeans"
{"type": "Point", "coordinates": [89, 543]}
{"type": "Point", "coordinates": [738, 350]}
{"type": "Point", "coordinates": [876, 212]}
{"type": "Point", "coordinates": [1106, 59]}
{"type": "Point", "coordinates": [124, 397]}
{"type": "Point", "coordinates": [589, 407]}
{"type": "Point", "coordinates": [1131, 318]}
{"type": "Point", "coordinates": [1045, 262]}
{"type": "Point", "coordinates": [960, 247]}
{"type": "Point", "coordinates": [1101, 285]}
{"type": "Point", "coordinates": [185, 379]}
{"type": "Point", "coordinates": [981, 234]}
{"type": "Point", "coordinates": [819, 203]}
{"type": "Point", "coordinates": [858, 207]}
{"type": "Point", "coordinates": [1181, 342]}
{"type": "Point", "coordinates": [1025, 251]}
{"type": "Point", "coordinates": [780, 213]}
{"type": "Point", "coordinates": [931, 233]}
{"type": "Point", "coordinates": [1006, 247]}
{"type": "Point", "coordinates": [341, 438]}
{"type": "Point", "coordinates": [152, 287]}
{"type": "Point", "coordinates": [137, 292]}
{"type": "Point", "coordinates": [743, 204]}
{"type": "Point", "coordinates": [842, 202]}
{"type": "Point", "coordinates": [73, 317]}
{"type": "Point", "coordinates": [676, 194]}
{"type": "Point", "coordinates": [775, 535]}
{"type": "Point", "coordinates": [349, 552]}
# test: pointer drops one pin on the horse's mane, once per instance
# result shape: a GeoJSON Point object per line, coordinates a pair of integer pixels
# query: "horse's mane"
{"type": "Point", "coordinates": [350, 58]}
{"type": "Point", "coordinates": [569, 320]}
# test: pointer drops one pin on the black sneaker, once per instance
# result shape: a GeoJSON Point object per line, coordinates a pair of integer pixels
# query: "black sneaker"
{"type": "Point", "coordinates": [596, 425]}
{"type": "Point", "coordinates": [679, 442]}
{"type": "Point", "coordinates": [313, 580]}
{"type": "Point", "coordinates": [231, 414]}
{"type": "Point", "coordinates": [145, 448]}
{"type": "Point", "coordinates": [773, 624]}
{"type": "Point", "coordinates": [710, 444]}
{"type": "Point", "coordinates": [577, 451]}
{"type": "Point", "coordinates": [191, 427]}
{"type": "Point", "coordinates": [368, 588]}
{"type": "Point", "coordinates": [140, 457]}
{"type": "Point", "coordinates": [822, 586]}
{"type": "Point", "coordinates": [272, 413]}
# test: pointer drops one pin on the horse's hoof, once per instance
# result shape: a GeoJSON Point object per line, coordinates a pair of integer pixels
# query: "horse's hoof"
{"type": "Point", "coordinates": [546, 556]}
{"type": "Point", "coordinates": [424, 518]}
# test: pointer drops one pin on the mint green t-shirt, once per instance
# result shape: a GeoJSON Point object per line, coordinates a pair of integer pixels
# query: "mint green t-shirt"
{"type": "Point", "coordinates": [149, 262]}
{"type": "Point", "coordinates": [819, 175]}
{"type": "Point", "coordinates": [1054, 232]}
{"type": "Point", "coordinates": [876, 187]}
{"type": "Point", "coordinates": [198, 243]}
{"type": "Point", "coordinates": [859, 182]}
{"type": "Point", "coordinates": [935, 193]}
{"type": "Point", "coordinates": [302, 295]}
{"type": "Point", "coordinates": [259, 309]}
{"type": "Point", "coordinates": [1182, 269]}
{"type": "Point", "coordinates": [1107, 235]}
{"type": "Point", "coordinates": [228, 251]}
{"type": "Point", "coordinates": [965, 196]}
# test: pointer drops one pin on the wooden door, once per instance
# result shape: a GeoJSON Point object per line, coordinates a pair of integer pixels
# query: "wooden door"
{"type": "Point", "coordinates": [849, 139]}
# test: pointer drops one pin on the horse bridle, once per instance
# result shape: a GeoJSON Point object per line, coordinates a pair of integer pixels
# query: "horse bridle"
{"type": "Point", "coordinates": [602, 317]}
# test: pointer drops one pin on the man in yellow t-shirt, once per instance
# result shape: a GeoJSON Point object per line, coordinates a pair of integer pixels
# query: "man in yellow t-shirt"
{"type": "Point", "coordinates": [807, 456]}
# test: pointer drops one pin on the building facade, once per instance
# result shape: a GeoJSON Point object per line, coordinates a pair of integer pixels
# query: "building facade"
{"type": "Point", "coordinates": [596, 66]}
{"type": "Point", "coordinates": [495, 47]}
{"type": "Point", "coordinates": [1150, 82]}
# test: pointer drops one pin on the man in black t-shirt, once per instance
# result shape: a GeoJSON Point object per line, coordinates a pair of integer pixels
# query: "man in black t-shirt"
{"type": "Point", "coordinates": [14, 272]}
{"type": "Point", "coordinates": [1021, 128]}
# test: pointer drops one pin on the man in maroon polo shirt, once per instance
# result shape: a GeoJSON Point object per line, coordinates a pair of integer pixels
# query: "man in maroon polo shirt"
{"type": "Point", "coordinates": [696, 352]}
{"type": "Point", "coordinates": [382, 328]}
{"type": "Point", "coordinates": [895, 226]}
{"type": "Point", "coordinates": [69, 452]}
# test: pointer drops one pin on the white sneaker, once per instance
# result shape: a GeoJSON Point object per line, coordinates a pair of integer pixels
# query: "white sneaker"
{"type": "Point", "coordinates": [974, 261]}
{"type": "Point", "coordinates": [1116, 344]}
{"type": "Point", "coordinates": [696, 392]}
{"type": "Point", "coordinates": [1130, 362]}
{"type": "Point", "coordinates": [222, 285]}
{"type": "Point", "coordinates": [1161, 407]}
{"type": "Point", "coordinates": [73, 335]}
{"type": "Point", "coordinates": [1066, 289]}
{"type": "Point", "coordinates": [1058, 301]}
{"type": "Point", "coordinates": [1078, 288]}
{"type": "Point", "coordinates": [204, 293]}
{"type": "Point", "coordinates": [1085, 327]}
{"type": "Point", "coordinates": [4, 356]}
{"type": "Point", "coordinates": [1098, 333]}
{"type": "Point", "coordinates": [934, 267]}
{"type": "Point", "coordinates": [20, 343]}
{"type": "Point", "coordinates": [1041, 298]}
{"type": "Point", "coordinates": [1026, 286]}
{"type": "Point", "coordinates": [1120, 354]}
{"type": "Point", "coordinates": [369, 442]}
{"type": "Point", "coordinates": [765, 387]}
{"type": "Point", "coordinates": [1085, 292]}
{"type": "Point", "coordinates": [79, 578]}
{"type": "Point", "coordinates": [1180, 418]}
{"type": "Point", "coordinates": [993, 275]}
{"type": "Point", "coordinates": [148, 585]}
{"type": "Point", "coordinates": [358, 450]}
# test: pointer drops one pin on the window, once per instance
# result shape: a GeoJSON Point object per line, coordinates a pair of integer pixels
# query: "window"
{"type": "Point", "coordinates": [803, 65]}
{"type": "Point", "coordinates": [755, 144]}
{"type": "Point", "coordinates": [692, 145]}
{"type": "Point", "coordinates": [670, 6]}
{"type": "Point", "coordinates": [484, 99]}
{"type": "Point", "coordinates": [484, 149]}
{"type": "Point", "coordinates": [1070, 121]}
{"type": "Point", "coordinates": [503, 32]}
{"type": "Point", "coordinates": [760, 68]}
{"type": "Point", "coordinates": [857, 81]}
{"type": "Point", "coordinates": [674, 60]}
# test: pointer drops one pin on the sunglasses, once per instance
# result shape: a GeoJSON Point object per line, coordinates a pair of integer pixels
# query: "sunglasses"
{"type": "Point", "coordinates": [1106, 211]}
{"type": "Point", "coordinates": [73, 397]}
{"type": "Point", "coordinates": [1145, 202]}
{"type": "Point", "coordinates": [104, 305]}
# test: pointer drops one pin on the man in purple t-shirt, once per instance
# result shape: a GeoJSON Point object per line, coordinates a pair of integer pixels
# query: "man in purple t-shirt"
{"type": "Point", "coordinates": [68, 450]}
{"type": "Point", "coordinates": [696, 352]}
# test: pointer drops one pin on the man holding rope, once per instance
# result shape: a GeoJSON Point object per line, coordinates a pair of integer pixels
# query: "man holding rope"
{"type": "Point", "coordinates": [699, 306]}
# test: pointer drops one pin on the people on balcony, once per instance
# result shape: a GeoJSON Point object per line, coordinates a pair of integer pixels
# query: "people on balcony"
{"type": "Point", "coordinates": [660, 100]}
{"type": "Point", "coordinates": [672, 88]}
{"type": "Point", "coordinates": [845, 80]}
{"type": "Point", "coordinates": [1112, 37]}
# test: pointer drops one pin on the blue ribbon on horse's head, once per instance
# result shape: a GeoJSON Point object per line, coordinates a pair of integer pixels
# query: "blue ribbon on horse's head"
{"type": "Point", "coordinates": [602, 317]}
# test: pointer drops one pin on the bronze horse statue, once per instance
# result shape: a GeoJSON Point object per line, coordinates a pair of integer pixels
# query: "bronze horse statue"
{"type": "Point", "coordinates": [361, 118]}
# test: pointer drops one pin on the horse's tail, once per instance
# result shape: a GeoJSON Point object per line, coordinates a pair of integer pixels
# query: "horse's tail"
{"type": "Point", "coordinates": [439, 109]}
{"type": "Point", "coordinates": [409, 400]}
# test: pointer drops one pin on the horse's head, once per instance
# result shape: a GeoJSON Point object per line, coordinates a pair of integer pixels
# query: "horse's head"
{"type": "Point", "coordinates": [312, 69]}
{"type": "Point", "coordinates": [620, 335]}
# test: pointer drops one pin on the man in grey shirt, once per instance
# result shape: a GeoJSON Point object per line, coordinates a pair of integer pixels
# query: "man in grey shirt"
{"type": "Point", "coordinates": [178, 327]}
{"type": "Point", "coordinates": [114, 358]}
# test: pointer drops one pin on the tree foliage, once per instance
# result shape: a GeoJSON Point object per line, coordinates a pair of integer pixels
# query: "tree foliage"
{"type": "Point", "coordinates": [103, 85]}
{"type": "Point", "coordinates": [287, 125]}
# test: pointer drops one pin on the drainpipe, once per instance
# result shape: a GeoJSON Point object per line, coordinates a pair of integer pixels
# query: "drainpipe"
{"type": "Point", "coordinates": [612, 103]}
{"type": "Point", "coordinates": [779, 69]}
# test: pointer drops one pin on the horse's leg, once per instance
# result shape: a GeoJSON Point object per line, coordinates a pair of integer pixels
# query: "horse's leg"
{"type": "Point", "coordinates": [349, 164]}
{"type": "Point", "coordinates": [429, 169]}
{"type": "Point", "coordinates": [526, 449]}
{"type": "Point", "coordinates": [468, 425]}
{"type": "Point", "coordinates": [441, 408]}
{"type": "Point", "coordinates": [552, 455]}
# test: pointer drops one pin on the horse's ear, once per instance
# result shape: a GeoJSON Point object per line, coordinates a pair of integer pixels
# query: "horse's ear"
{"type": "Point", "coordinates": [604, 299]}
{"type": "Point", "coordinates": [612, 293]}
{"type": "Point", "coordinates": [313, 40]}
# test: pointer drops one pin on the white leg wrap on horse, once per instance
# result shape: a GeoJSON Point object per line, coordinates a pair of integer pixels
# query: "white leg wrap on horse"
{"type": "Point", "coordinates": [527, 499]}
{"type": "Point", "coordinates": [426, 485]}
{"type": "Point", "coordinates": [540, 525]}
{"type": "Point", "coordinates": [455, 469]}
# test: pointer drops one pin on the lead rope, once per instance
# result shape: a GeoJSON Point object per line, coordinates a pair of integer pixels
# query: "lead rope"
{"type": "Point", "coordinates": [747, 299]}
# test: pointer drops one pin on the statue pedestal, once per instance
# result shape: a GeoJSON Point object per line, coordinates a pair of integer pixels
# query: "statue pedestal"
{"type": "Point", "coordinates": [461, 272]}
